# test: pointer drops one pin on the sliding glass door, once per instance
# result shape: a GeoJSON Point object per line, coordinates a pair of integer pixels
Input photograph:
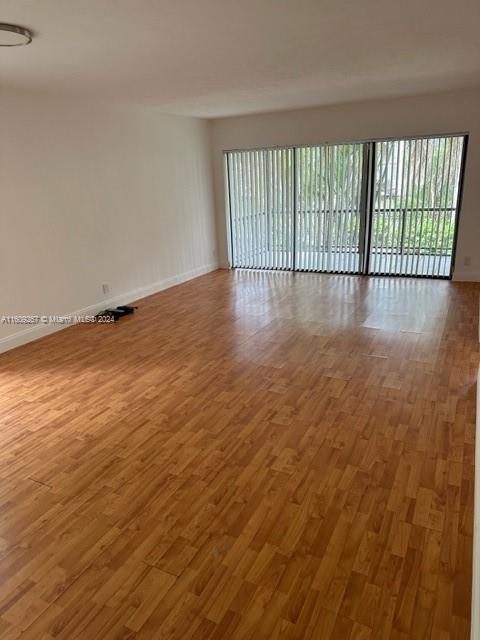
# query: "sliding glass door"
{"type": "Point", "coordinates": [380, 208]}
{"type": "Point", "coordinates": [328, 208]}
{"type": "Point", "coordinates": [415, 200]}
{"type": "Point", "coordinates": [260, 193]}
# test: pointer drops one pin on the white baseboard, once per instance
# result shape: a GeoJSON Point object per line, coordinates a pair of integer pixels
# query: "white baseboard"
{"type": "Point", "coordinates": [38, 331]}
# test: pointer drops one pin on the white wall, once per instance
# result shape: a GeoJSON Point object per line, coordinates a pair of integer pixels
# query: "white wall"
{"type": "Point", "coordinates": [94, 194]}
{"type": "Point", "coordinates": [430, 114]}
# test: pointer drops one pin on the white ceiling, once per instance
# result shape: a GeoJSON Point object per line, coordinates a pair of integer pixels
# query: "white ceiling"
{"type": "Point", "coordinates": [223, 57]}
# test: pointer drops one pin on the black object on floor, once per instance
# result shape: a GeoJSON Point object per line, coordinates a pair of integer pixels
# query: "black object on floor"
{"type": "Point", "coordinates": [127, 309]}
{"type": "Point", "coordinates": [117, 312]}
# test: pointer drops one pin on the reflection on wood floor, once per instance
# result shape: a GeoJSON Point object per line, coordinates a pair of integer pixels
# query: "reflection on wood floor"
{"type": "Point", "coordinates": [251, 455]}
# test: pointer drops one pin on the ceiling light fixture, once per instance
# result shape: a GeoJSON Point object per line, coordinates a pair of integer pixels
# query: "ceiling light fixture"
{"type": "Point", "coordinates": [13, 36]}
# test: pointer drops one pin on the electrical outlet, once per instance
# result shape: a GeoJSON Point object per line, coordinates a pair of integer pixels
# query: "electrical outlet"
{"type": "Point", "coordinates": [105, 288]}
{"type": "Point", "coordinates": [467, 261]}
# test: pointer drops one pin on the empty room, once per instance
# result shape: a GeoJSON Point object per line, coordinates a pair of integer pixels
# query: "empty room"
{"type": "Point", "coordinates": [239, 320]}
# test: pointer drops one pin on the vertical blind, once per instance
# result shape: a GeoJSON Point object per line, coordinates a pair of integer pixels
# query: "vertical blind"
{"type": "Point", "coordinates": [261, 208]}
{"type": "Point", "coordinates": [328, 208]}
{"type": "Point", "coordinates": [416, 185]}
{"type": "Point", "coordinates": [387, 207]}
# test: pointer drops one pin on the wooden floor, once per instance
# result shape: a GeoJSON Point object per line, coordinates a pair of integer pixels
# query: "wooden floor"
{"type": "Point", "coordinates": [251, 455]}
